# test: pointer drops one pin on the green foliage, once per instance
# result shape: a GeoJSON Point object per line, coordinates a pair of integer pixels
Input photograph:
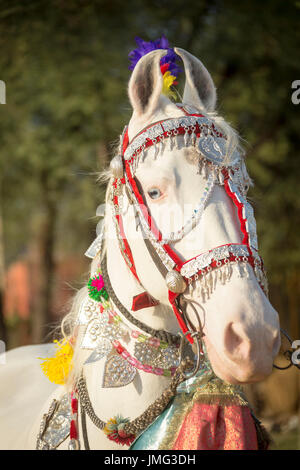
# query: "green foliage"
{"type": "Point", "coordinates": [66, 71]}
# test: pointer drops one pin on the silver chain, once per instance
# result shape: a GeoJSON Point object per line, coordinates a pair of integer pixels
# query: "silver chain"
{"type": "Point", "coordinates": [86, 404]}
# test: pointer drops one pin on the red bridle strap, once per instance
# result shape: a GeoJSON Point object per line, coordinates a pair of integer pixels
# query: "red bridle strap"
{"type": "Point", "coordinates": [126, 252]}
{"type": "Point", "coordinates": [151, 223]}
{"type": "Point", "coordinates": [157, 234]}
{"type": "Point", "coordinates": [239, 207]}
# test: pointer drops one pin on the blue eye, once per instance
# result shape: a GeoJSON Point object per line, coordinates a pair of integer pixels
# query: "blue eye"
{"type": "Point", "coordinates": [154, 193]}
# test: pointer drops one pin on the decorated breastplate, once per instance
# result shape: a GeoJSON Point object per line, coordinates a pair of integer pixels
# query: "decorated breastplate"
{"type": "Point", "coordinates": [105, 331]}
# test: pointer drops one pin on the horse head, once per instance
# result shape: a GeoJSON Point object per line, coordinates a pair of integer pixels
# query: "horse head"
{"type": "Point", "coordinates": [187, 231]}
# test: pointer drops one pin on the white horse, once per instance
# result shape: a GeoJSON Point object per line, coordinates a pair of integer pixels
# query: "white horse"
{"type": "Point", "coordinates": [225, 295]}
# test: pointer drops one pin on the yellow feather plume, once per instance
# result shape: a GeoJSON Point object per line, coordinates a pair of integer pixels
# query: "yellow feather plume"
{"type": "Point", "coordinates": [57, 368]}
{"type": "Point", "coordinates": [169, 79]}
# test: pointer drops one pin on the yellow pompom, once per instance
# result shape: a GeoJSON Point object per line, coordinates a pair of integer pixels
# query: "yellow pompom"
{"type": "Point", "coordinates": [110, 426]}
{"type": "Point", "coordinates": [57, 368]}
{"type": "Point", "coordinates": [169, 79]}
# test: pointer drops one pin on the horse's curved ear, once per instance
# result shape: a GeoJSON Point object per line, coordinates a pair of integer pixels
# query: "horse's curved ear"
{"type": "Point", "coordinates": [199, 87]}
{"type": "Point", "coordinates": [146, 83]}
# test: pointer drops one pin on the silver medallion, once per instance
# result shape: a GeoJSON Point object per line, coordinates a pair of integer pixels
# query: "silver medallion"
{"type": "Point", "coordinates": [55, 425]}
{"type": "Point", "coordinates": [117, 372]}
{"type": "Point", "coordinates": [164, 358]}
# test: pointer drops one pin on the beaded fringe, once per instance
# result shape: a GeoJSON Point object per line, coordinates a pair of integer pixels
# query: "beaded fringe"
{"type": "Point", "coordinates": [190, 140]}
{"type": "Point", "coordinates": [206, 284]}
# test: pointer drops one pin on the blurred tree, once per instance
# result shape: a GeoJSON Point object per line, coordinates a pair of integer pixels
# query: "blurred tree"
{"type": "Point", "coordinates": [3, 332]}
{"type": "Point", "coordinates": [66, 70]}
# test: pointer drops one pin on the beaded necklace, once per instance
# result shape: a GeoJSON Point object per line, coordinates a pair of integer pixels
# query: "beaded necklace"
{"type": "Point", "coordinates": [105, 328]}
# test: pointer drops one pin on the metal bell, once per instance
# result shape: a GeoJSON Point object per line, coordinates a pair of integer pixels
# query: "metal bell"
{"type": "Point", "coordinates": [116, 167]}
{"type": "Point", "coordinates": [175, 282]}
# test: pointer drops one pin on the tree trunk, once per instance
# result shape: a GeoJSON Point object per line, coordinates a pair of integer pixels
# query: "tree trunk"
{"type": "Point", "coordinates": [3, 330]}
{"type": "Point", "coordinates": [42, 314]}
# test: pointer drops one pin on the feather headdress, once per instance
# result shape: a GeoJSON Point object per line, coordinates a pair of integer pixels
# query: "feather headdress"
{"type": "Point", "coordinates": [168, 65]}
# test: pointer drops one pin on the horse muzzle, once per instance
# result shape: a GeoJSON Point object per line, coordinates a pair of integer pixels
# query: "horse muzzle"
{"type": "Point", "coordinates": [244, 357]}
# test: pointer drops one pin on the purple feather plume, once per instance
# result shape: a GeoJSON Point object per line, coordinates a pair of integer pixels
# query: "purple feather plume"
{"type": "Point", "coordinates": [144, 47]}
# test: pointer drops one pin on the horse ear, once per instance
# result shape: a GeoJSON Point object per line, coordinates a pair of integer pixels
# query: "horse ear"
{"type": "Point", "coordinates": [146, 83]}
{"type": "Point", "coordinates": [199, 87]}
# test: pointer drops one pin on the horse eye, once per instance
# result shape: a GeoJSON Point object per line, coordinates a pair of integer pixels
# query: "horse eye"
{"type": "Point", "coordinates": [154, 193]}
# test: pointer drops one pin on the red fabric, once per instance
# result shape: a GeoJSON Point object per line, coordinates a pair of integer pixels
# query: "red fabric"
{"type": "Point", "coordinates": [239, 207]}
{"type": "Point", "coordinates": [141, 202]}
{"type": "Point", "coordinates": [172, 297]}
{"type": "Point", "coordinates": [214, 427]}
{"type": "Point", "coordinates": [73, 430]}
{"type": "Point", "coordinates": [125, 141]}
{"type": "Point", "coordinates": [148, 217]}
{"type": "Point", "coordinates": [143, 300]}
{"type": "Point", "coordinates": [74, 405]}
{"type": "Point", "coordinates": [126, 244]}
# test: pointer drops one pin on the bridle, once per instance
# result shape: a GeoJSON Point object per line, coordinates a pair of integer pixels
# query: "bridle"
{"type": "Point", "coordinates": [202, 133]}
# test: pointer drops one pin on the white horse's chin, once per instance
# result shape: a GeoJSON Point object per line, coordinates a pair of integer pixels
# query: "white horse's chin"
{"type": "Point", "coordinates": [243, 372]}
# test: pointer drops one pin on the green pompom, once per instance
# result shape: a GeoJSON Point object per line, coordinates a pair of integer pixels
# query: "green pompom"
{"type": "Point", "coordinates": [96, 288]}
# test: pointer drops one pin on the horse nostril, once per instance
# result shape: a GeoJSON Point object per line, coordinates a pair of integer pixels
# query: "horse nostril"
{"type": "Point", "coordinates": [235, 342]}
{"type": "Point", "coordinates": [232, 339]}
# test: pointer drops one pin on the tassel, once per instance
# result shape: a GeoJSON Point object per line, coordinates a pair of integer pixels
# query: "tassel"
{"type": "Point", "coordinates": [73, 430]}
{"type": "Point", "coordinates": [186, 136]}
{"type": "Point", "coordinates": [115, 432]}
{"type": "Point", "coordinates": [57, 368]}
{"type": "Point", "coordinates": [156, 149]}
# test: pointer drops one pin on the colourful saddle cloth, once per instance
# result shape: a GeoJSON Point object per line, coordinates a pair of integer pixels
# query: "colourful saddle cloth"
{"type": "Point", "coordinates": [215, 427]}
{"type": "Point", "coordinates": [206, 414]}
